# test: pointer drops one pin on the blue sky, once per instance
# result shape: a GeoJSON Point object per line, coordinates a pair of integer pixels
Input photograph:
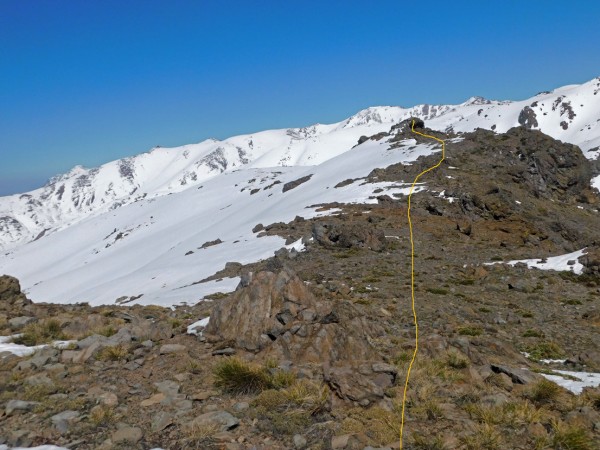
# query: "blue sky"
{"type": "Point", "coordinates": [86, 82]}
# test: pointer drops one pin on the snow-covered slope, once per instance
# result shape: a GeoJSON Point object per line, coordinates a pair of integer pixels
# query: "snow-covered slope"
{"type": "Point", "coordinates": [83, 193]}
{"type": "Point", "coordinates": [100, 234]}
{"type": "Point", "coordinates": [144, 248]}
{"type": "Point", "coordinates": [570, 113]}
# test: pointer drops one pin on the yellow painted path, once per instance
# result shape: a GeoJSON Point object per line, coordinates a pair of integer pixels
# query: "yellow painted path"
{"type": "Point", "coordinates": [412, 273]}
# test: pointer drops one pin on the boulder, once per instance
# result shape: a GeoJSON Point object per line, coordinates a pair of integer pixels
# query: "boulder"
{"type": "Point", "coordinates": [10, 293]}
{"type": "Point", "coordinates": [356, 235]}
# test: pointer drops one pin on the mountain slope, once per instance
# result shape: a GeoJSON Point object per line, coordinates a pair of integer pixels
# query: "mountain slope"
{"type": "Point", "coordinates": [115, 232]}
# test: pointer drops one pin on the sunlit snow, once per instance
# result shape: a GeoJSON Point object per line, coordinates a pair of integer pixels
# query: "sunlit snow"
{"type": "Point", "coordinates": [567, 262]}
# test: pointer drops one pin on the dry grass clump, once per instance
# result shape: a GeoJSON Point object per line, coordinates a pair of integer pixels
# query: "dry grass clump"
{"type": "Point", "coordinates": [113, 353]}
{"type": "Point", "coordinates": [485, 437]}
{"type": "Point", "coordinates": [544, 391]}
{"type": "Point", "coordinates": [571, 437]}
{"type": "Point", "coordinates": [201, 435]}
{"type": "Point", "coordinates": [236, 376]}
{"type": "Point", "coordinates": [102, 415]}
{"type": "Point", "coordinates": [457, 361]}
{"type": "Point", "coordinates": [41, 332]}
{"type": "Point", "coordinates": [292, 409]}
{"type": "Point", "coordinates": [422, 442]}
{"type": "Point", "coordinates": [379, 425]}
{"type": "Point", "coordinates": [512, 414]}
{"type": "Point", "coordinates": [543, 350]}
{"type": "Point", "coordinates": [470, 331]}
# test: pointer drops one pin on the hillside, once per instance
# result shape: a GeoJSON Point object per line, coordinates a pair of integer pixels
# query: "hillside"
{"type": "Point", "coordinates": [139, 229]}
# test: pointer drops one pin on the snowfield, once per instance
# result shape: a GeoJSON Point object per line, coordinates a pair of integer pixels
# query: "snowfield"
{"type": "Point", "coordinates": [131, 231]}
{"type": "Point", "coordinates": [151, 249]}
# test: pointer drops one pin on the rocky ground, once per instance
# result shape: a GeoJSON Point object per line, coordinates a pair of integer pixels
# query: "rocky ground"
{"type": "Point", "coordinates": [311, 351]}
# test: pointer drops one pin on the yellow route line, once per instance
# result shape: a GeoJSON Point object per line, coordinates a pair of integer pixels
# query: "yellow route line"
{"type": "Point", "coordinates": [412, 272]}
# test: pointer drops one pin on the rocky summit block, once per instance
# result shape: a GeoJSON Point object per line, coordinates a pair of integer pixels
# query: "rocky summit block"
{"type": "Point", "coordinates": [10, 293]}
{"type": "Point", "coordinates": [278, 316]}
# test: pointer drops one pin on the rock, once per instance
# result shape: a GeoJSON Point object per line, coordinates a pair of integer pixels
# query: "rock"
{"type": "Point", "coordinates": [16, 323]}
{"type": "Point", "coordinates": [108, 399]}
{"type": "Point", "coordinates": [19, 406]}
{"type": "Point", "coordinates": [241, 406]}
{"type": "Point", "coordinates": [168, 387]}
{"type": "Point", "coordinates": [299, 441]}
{"type": "Point", "coordinates": [155, 399]}
{"type": "Point", "coordinates": [293, 184]}
{"type": "Point", "coordinates": [345, 442]}
{"type": "Point", "coordinates": [221, 419]}
{"type": "Point", "coordinates": [359, 384]}
{"type": "Point", "coordinates": [204, 395]}
{"type": "Point", "coordinates": [64, 420]}
{"type": "Point", "coordinates": [40, 379]}
{"type": "Point", "coordinates": [161, 420]}
{"type": "Point", "coordinates": [172, 348]}
{"type": "Point", "coordinates": [349, 236]}
{"type": "Point", "coordinates": [257, 315]}
{"type": "Point", "coordinates": [518, 376]}
{"type": "Point", "coordinates": [127, 435]}
{"type": "Point", "coordinates": [228, 351]}
{"type": "Point", "coordinates": [258, 227]}
{"type": "Point", "coordinates": [10, 293]}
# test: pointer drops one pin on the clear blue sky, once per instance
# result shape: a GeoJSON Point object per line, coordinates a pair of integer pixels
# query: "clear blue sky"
{"type": "Point", "coordinates": [86, 82]}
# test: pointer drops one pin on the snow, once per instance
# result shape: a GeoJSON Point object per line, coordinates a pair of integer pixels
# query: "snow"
{"type": "Point", "coordinates": [558, 263]}
{"type": "Point", "coordinates": [197, 327]}
{"type": "Point", "coordinates": [6, 345]}
{"type": "Point", "coordinates": [596, 182]}
{"type": "Point", "coordinates": [143, 248]}
{"type": "Point", "coordinates": [585, 379]}
{"type": "Point", "coordinates": [135, 226]}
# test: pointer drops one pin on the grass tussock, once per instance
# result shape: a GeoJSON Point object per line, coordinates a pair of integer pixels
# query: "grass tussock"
{"type": "Point", "coordinates": [422, 442]}
{"type": "Point", "coordinates": [571, 437]}
{"type": "Point", "coordinates": [290, 410]}
{"type": "Point", "coordinates": [485, 437]}
{"type": "Point", "coordinates": [379, 425]}
{"type": "Point", "coordinates": [236, 376]}
{"type": "Point", "coordinates": [113, 353]}
{"type": "Point", "coordinates": [102, 416]}
{"type": "Point", "coordinates": [41, 332]}
{"type": "Point", "coordinates": [544, 391]}
{"type": "Point", "coordinates": [201, 435]}
{"type": "Point", "coordinates": [470, 331]}
{"type": "Point", "coordinates": [544, 350]}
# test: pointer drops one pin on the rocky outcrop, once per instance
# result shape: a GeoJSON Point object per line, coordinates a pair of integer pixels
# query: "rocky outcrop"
{"type": "Point", "coordinates": [10, 293]}
{"type": "Point", "coordinates": [349, 236]}
{"type": "Point", "coordinates": [278, 315]}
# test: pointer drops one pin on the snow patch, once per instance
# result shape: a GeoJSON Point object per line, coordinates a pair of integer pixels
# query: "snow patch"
{"type": "Point", "coordinates": [197, 327]}
{"type": "Point", "coordinates": [558, 263]}
{"type": "Point", "coordinates": [584, 379]}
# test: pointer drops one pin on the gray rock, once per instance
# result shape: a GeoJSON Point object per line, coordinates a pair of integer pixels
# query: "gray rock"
{"type": "Point", "coordinates": [40, 379]}
{"type": "Point", "coordinates": [127, 434]}
{"type": "Point", "coordinates": [16, 323]}
{"type": "Point", "coordinates": [224, 351]}
{"type": "Point", "coordinates": [64, 420]}
{"type": "Point", "coordinates": [19, 406]}
{"type": "Point", "coordinates": [518, 376]}
{"type": "Point", "coordinates": [221, 419]}
{"type": "Point", "coordinates": [299, 441]}
{"type": "Point", "coordinates": [168, 387]}
{"type": "Point", "coordinates": [172, 348]}
{"type": "Point", "coordinates": [241, 406]}
{"type": "Point", "coordinates": [161, 420]}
